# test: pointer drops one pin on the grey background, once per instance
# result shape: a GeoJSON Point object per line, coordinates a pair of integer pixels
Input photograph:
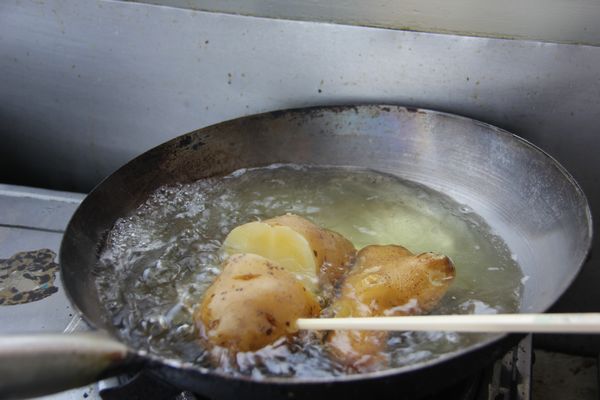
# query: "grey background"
{"type": "Point", "coordinates": [86, 85]}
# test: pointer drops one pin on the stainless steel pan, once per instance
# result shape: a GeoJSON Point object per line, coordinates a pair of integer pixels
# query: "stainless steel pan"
{"type": "Point", "coordinates": [524, 194]}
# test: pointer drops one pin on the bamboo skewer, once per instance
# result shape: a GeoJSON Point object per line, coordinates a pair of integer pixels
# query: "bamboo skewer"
{"type": "Point", "coordinates": [504, 323]}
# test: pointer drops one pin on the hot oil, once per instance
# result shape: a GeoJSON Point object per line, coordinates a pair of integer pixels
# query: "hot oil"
{"type": "Point", "coordinates": [158, 261]}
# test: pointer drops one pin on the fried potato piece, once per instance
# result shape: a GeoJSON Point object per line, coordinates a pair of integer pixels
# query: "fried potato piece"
{"type": "Point", "coordinates": [252, 303]}
{"type": "Point", "coordinates": [386, 281]}
{"type": "Point", "coordinates": [314, 254]}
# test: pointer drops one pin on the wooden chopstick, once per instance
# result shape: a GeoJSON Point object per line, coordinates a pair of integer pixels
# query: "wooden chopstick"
{"type": "Point", "coordinates": [505, 323]}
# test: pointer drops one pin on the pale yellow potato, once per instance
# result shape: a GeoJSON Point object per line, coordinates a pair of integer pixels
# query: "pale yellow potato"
{"type": "Point", "coordinates": [316, 255]}
{"type": "Point", "coordinates": [280, 243]}
{"type": "Point", "coordinates": [386, 281]}
{"type": "Point", "coordinates": [333, 253]}
{"type": "Point", "coordinates": [252, 303]}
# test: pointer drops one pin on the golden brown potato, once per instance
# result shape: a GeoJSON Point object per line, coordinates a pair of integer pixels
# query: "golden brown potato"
{"type": "Point", "coordinates": [392, 281]}
{"type": "Point", "coordinates": [252, 303]}
{"type": "Point", "coordinates": [386, 281]}
{"type": "Point", "coordinates": [316, 255]}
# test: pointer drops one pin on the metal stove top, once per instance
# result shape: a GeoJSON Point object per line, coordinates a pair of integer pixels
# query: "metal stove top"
{"type": "Point", "coordinates": [32, 222]}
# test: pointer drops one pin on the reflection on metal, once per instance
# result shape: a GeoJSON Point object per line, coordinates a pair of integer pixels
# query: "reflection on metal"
{"type": "Point", "coordinates": [38, 194]}
{"type": "Point", "coordinates": [76, 323]}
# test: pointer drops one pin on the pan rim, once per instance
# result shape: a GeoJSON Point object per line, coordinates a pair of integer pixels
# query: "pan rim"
{"type": "Point", "coordinates": [293, 381]}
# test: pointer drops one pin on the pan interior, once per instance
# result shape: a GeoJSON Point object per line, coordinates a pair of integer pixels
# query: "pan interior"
{"type": "Point", "coordinates": [159, 260]}
{"type": "Point", "coordinates": [526, 197]}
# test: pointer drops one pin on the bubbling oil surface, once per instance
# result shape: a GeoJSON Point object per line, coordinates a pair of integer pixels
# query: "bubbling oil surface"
{"type": "Point", "coordinates": [158, 261]}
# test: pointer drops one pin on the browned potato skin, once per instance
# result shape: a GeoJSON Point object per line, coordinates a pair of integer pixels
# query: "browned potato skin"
{"type": "Point", "coordinates": [373, 255]}
{"type": "Point", "coordinates": [252, 303]}
{"type": "Point", "coordinates": [386, 281]}
{"type": "Point", "coordinates": [399, 278]}
{"type": "Point", "coordinates": [333, 253]}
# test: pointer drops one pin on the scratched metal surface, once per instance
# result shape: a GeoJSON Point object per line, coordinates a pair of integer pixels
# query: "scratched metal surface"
{"type": "Point", "coordinates": [33, 219]}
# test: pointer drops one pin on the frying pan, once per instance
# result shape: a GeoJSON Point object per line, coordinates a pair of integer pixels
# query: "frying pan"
{"type": "Point", "coordinates": [525, 196]}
